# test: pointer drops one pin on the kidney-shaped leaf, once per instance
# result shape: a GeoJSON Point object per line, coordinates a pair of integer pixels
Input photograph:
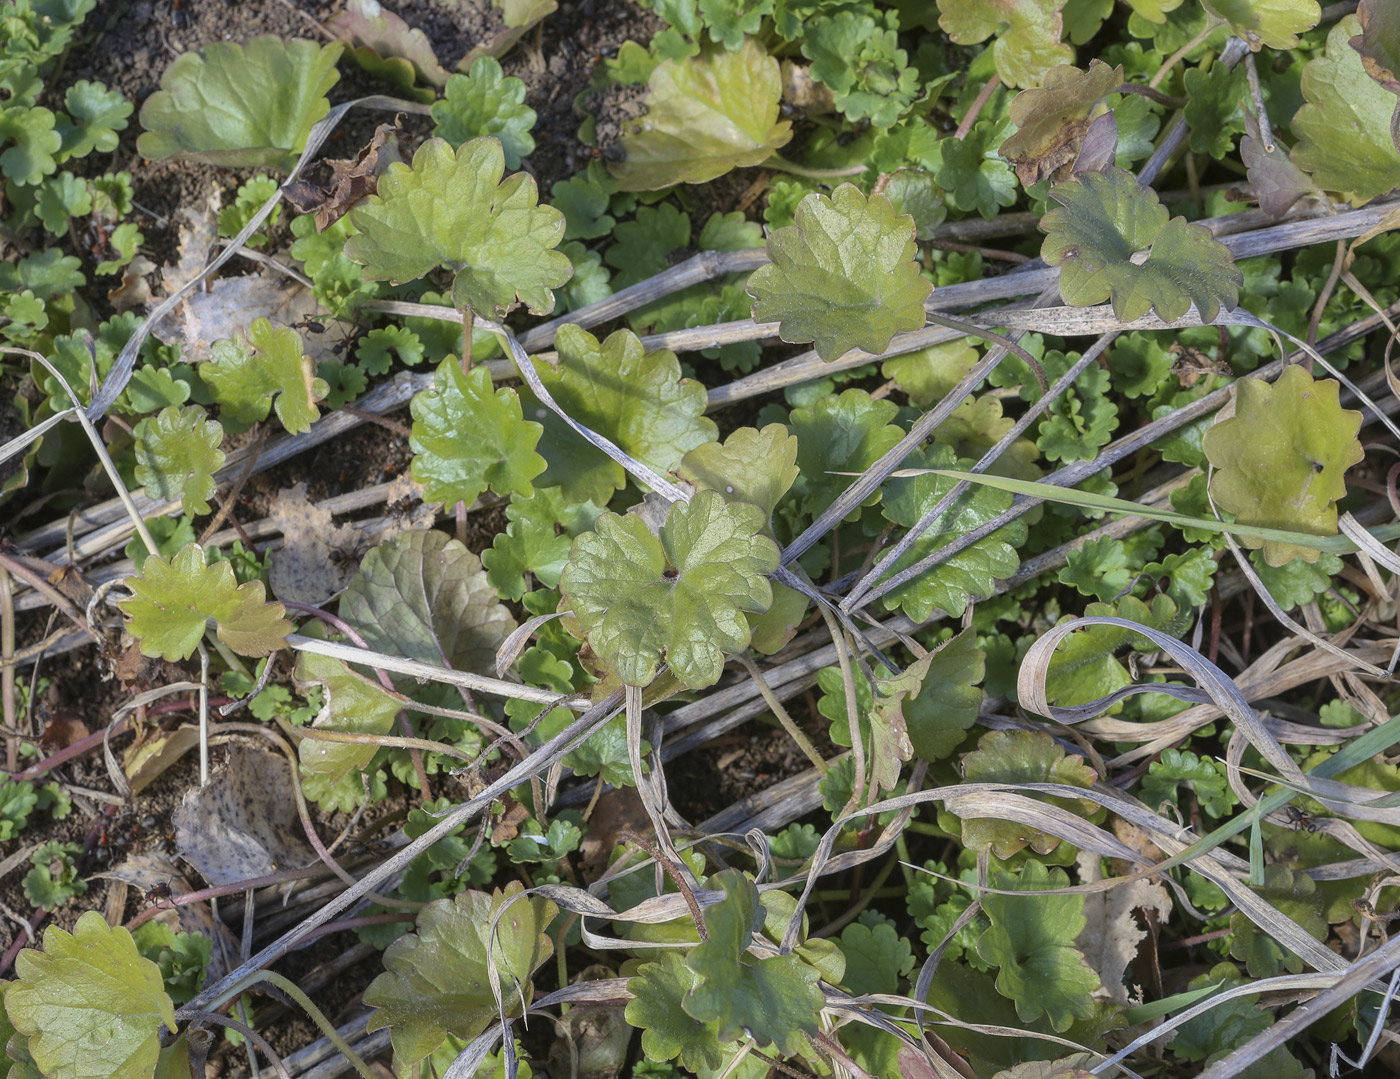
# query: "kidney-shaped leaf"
{"type": "Point", "coordinates": [1105, 219]}
{"type": "Point", "coordinates": [633, 397]}
{"type": "Point", "coordinates": [423, 595]}
{"type": "Point", "coordinates": [1275, 23]}
{"type": "Point", "coordinates": [750, 466]}
{"type": "Point", "coordinates": [90, 1003]}
{"type": "Point", "coordinates": [1021, 757]}
{"type": "Point", "coordinates": [174, 600]}
{"type": "Point", "coordinates": [1031, 941]}
{"type": "Point", "coordinates": [679, 596]}
{"type": "Point", "coordinates": [972, 573]}
{"type": "Point", "coordinates": [1282, 458]}
{"type": "Point", "coordinates": [238, 105]}
{"type": "Point", "coordinates": [438, 980]}
{"type": "Point", "coordinates": [705, 115]}
{"type": "Point", "coordinates": [453, 209]}
{"type": "Point", "coordinates": [668, 1033]}
{"type": "Point", "coordinates": [843, 275]}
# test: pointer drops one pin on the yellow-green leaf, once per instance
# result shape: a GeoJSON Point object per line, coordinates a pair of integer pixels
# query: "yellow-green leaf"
{"type": "Point", "coordinates": [1281, 460]}
{"type": "Point", "coordinates": [173, 602]}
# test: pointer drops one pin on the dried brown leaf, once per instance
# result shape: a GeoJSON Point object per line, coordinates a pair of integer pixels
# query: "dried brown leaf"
{"type": "Point", "coordinates": [1052, 120]}
{"type": "Point", "coordinates": [154, 753]}
{"type": "Point", "coordinates": [244, 824]}
{"type": "Point", "coordinates": [232, 303]}
{"type": "Point", "coordinates": [317, 556]}
{"type": "Point", "coordinates": [351, 180]}
{"type": "Point", "coordinates": [1112, 933]}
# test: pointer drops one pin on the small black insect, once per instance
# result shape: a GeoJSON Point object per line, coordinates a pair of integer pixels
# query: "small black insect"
{"type": "Point", "coordinates": [1301, 819]}
{"type": "Point", "coordinates": [156, 893]}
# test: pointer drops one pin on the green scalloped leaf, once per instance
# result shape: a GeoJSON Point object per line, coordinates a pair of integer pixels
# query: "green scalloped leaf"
{"type": "Point", "coordinates": [484, 102]}
{"type": "Point", "coordinates": [467, 438]}
{"type": "Point", "coordinates": [842, 276]}
{"type": "Point", "coordinates": [945, 706]}
{"type": "Point", "coordinates": [1022, 757]}
{"type": "Point", "coordinates": [246, 376]}
{"type": "Point", "coordinates": [240, 105]}
{"type": "Point", "coordinates": [1030, 940]}
{"type": "Point", "coordinates": [111, 1027]}
{"type": "Point", "coordinates": [846, 434]}
{"type": "Point", "coordinates": [1028, 34]}
{"type": "Point", "coordinates": [1347, 127]}
{"type": "Point", "coordinates": [454, 210]}
{"type": "Point", "coordinates": [1293, 894]}
{"type": "Point", "coordinates": [668, 1033]}
{"type": "Point", "coordinates": [62, 198]}
{"type": "Point", "coordinates": [95, 115]}
{"type": "Point", "coordinates": [706, 115]}
{"type": "Point", "coordinates": [1281, 460]}
{"type": "Point", "coordinates": [438, 980]}
{"type": "Point", "coordinates": [680, 596]}
{"type": "Point", "coordinates": [1085, 666]}
{"type": "Point", "coordinates": [1104, 219]}
{"type": "Point", "coordinates": [177, 454]}
{"type": "Point", "coordinates": [633, 397]}
{"type": "Point", "coordinates": [969, 575]}
{"type": "Point", "coordinates": [174, 600]}
{"type": "Point", "coordinates": [532, 544]}
{"type": "Point", "coordinates": [752, 466]}
{"type": "Point", "coordinates": [1275, 23]}
{"type": "Point", "coordinates": [351, 703]}
{"type": "Point", "coordinates": [31, 130]}
{"type": "Point", "coordinates": [775, 1001]}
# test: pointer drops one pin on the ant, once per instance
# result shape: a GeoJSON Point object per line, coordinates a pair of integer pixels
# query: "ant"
{"type": "Point", "coordinates": [158, 892]}
{"type": "Point", "coordinates": [1301, 819]}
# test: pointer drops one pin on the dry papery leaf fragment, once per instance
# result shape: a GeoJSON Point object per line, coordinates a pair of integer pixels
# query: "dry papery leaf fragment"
{"type": "Point", "coordinates": [351, 180]}
{"type": "Point", "coordinates": [244, 823]}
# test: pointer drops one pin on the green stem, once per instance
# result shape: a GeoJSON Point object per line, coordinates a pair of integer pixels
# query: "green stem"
{"type": "Point", "coordinates": [789, 725]}
{"type": "Point", "coordinates": [234, 663]}
{"type": "Point", "coordinates": [781, 164]}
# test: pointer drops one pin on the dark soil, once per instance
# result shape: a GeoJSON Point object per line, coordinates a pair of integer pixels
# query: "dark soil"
{"type": "Point", "coordinates": [133, 42]}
